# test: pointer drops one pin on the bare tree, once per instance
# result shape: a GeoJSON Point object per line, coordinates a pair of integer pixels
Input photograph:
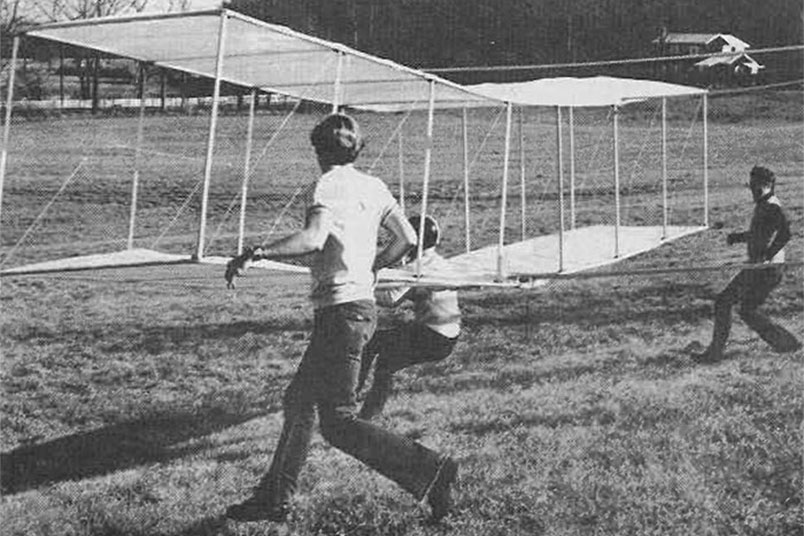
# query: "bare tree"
{"type": "Point", "coordinates": [88, 64]}
{"type": "Point", "coordinates": [11, 19]}
{"type": "Point", "coordinates": [55, 10]}
{"type": "Point", "coordinates": [11, 16]}
{"type": "Point", "coordinates": [178, 5]}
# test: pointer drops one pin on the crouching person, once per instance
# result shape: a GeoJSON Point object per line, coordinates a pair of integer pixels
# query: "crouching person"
{"type": "Point", "coordinates": [430, 337]}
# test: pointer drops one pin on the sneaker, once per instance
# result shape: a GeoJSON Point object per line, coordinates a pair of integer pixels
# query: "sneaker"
{"type": "Point", "coordinates": [258, 507]}
{"type": "Point", "coordinates": [707, 357]}
{"type": "Point", "coordinates": [376, 397]}
{"type": "Point", "coordinates": [440, 498]}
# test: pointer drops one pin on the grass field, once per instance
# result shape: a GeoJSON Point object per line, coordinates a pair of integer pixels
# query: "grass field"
{"type": "Point", "coordinates": [143, 402]}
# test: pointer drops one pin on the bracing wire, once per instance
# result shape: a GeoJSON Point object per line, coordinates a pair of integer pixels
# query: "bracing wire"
{"type": "Point", "coordinates": [391, 137]}
{"type": "Point", "coordinates": [287, 206]}
{"type": "Point", "coordinates": [304, 188]}
{"type": "Point", "coordinates": [179, 212]}
{"type": "Point", "coordinates": [601, 63]}
{"type": "Point", "coordinates": [194, 158]}
{"type": "Point", "coordinates": [256, 162]}
{"type": "Point", "coordinates": [737, 90]}
{"type": "Point", "coordinates": [596, 152]}
{"type": "Point", "coordinates": [478, 152]}
{"type": "Point", "coordinates": [44, 210]}
{"type": "Point", "coordinates": [516, 282]}
{"type": "Point", "coordinates": [636, 161]}
{"type": "Point", "coordinates": [685, 142]}
{"type": "Point", "coordinates": [482, 145]}
{"type": "Point", "coordinates": [453, 201]}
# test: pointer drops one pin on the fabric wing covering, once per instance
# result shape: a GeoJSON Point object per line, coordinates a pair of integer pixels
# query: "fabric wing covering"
{"type": "Point", "coordinates": [261, 55]}
{"type": "Point", "coordinates": [582, 92]}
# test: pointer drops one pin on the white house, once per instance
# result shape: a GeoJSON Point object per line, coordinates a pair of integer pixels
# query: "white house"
{"type": "Point", "coordinates": [734, 57]}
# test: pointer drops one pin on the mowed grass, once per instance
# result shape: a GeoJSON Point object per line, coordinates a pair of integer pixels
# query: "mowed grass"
{"type": "Point", "coordinates": [141, 402]}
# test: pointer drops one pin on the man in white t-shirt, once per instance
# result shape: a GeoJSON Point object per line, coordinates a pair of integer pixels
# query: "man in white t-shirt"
{"type": "Point", "coordinates": [345, 210]}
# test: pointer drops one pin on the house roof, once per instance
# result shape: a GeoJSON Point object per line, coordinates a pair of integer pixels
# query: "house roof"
{"type": "Point", "coordinates": [701, 39]}
{"type": "Point", "coordinates": [685, 38]}
{"type": "Point", "coordinates": [731, 59]}
{"type": "Point", "coordinates": [735, 42]}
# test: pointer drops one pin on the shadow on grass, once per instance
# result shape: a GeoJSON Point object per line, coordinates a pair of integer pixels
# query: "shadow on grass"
{"type": "Point", "coordinates": [599, 416]}
{"type": "Point", "coordinates": [217, 525]}
{"type": "Point", "coordinates": [209, 525]}
{"type": "Point", "coordinates": [129, 337]}
{"type": "Point", "coordinates": [113, 448]}
{"type": "Point", "coordinates": [444, 385]}
{"type": "Point", "coordinates": [669, 304]}
{"type": "Point", "coordinates": [445, 382]}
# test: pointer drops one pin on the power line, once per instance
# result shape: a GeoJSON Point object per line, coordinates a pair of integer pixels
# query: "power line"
{"type": "Point", "coordinates": [601, 63]}
{"type": "Point", "coordinates": [731, 91]}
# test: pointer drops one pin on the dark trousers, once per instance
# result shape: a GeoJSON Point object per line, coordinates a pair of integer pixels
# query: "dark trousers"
{"type": "Point", "coordinates": [402, 347]}
{"type": "Point", "coordinates": [326, 379]}
{"type": "Point", "coordinates": [749, 289]}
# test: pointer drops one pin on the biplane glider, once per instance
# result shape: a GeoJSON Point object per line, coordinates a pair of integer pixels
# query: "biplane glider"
{"type": "Point", "coordinates": [229, 48]}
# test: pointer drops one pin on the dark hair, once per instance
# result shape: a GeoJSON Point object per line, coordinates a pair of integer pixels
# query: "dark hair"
{"type": "Point", "coordinates": [432, 234]}
{"type": "Point", "coordinates": [337, 139]}
{"type": "Point", "coordinates": [762, 176]}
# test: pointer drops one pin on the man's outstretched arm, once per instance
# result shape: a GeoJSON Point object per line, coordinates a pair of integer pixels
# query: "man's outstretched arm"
{"type": "Point", "coordinates": [310, 239]}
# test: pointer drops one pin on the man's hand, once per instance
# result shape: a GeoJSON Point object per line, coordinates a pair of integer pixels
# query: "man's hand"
{"type": "Point", "coordinates": [238, 265]}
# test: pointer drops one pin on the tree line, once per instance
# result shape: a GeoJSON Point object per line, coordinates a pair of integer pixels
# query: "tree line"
{"type": "Point", "coordinates": [449, 33]}
{"type": "Point", "coordinates": [432, 34]}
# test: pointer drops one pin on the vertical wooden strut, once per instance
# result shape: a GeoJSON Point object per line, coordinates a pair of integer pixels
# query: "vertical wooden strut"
{"type": "Point", "coordinates": [9, 104]}
{"type": "Point", "coordinates": [428, 155]}
{"type": "Point", "coordinates": [504, 200]}
{"type": "Point", "coordinates": [466, 223]}
{"type": "Point", "coordinates": [523, 202]}
{"type": "Point", "coordinates": [241, 231]}
{"type": "Point", "coordinates": [572, 166]}
{"type": "Point", "coordinates": [560, 168]}
{"type": "Point", "coordinates": [135, 181]}
{"type": "Point", "coordinates": [616, 183]}
{"type": "Point", "coordinates": [401, 170]}
{"type": "Point", "coordinates": [706, 158]}
{"type": "Point", "coordinates": [213, 123]}
{"type": "Point", "coordinates": [61, 78]}
{"type": "Point", "coordinates": [664, 168]}
{"type": "Point", "coordinates": [336, 97]}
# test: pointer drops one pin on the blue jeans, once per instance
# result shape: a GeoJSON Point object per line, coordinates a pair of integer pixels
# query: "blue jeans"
{"type": "Point", "coordinates": [749, 289]}
{"type": "Point", "coordinates": [327, 379]}
{"type": "Point", "coordinates": [403, 346]}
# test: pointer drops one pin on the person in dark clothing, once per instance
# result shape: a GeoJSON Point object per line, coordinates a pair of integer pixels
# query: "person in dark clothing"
{"type": "Point", "coordinates": [765, 238]}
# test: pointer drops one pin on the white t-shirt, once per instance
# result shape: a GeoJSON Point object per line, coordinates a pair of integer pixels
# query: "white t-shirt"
{"type": "Point", "coordinates": [359, 205]}
{"type": "Point", "coordinates": [436, 309]}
